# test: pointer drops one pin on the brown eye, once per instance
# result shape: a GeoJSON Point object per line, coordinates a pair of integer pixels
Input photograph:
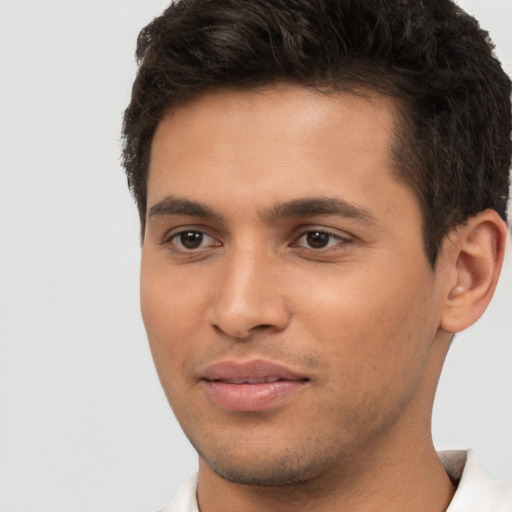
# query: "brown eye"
{"type": "Point", "coordinates": [318, 239]}
{"type": "Point", "coordinates": [191, 239]}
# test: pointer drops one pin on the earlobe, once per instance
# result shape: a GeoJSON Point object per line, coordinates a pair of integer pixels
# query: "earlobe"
{"type": "Point", "coordinates": [475, 258]}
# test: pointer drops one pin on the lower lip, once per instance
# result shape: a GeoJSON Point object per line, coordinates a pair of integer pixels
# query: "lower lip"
{"type": "Point", "coordinates": [251, 397]}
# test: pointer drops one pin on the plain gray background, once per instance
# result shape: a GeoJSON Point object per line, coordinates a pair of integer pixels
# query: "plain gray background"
{"type": "Point", "coordinates": [84, 425]}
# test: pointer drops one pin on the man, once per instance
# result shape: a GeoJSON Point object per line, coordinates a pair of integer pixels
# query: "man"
{"type": "Point", "coordinates": [322, 186]}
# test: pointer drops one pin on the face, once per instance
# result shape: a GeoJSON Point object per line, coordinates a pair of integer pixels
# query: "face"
{"type": "Point", "coordinates": [289, 304]}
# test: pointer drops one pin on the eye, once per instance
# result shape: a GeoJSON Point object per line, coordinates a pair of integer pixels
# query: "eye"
{"type": "Point", "coordinates": [191, 239]}
{"type": "Point", "coordinates": [318, 239]}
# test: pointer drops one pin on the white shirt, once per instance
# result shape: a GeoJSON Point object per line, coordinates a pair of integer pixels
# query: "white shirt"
{"type": "Point", "coordinates": [476, 491]}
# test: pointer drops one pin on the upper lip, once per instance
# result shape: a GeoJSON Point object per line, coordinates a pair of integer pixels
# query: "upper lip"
{"type": "Point", "coordinates": [253, 371]}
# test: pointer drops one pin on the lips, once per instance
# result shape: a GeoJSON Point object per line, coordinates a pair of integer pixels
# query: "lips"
{"type": "Point", "coordinates": [250, 386]}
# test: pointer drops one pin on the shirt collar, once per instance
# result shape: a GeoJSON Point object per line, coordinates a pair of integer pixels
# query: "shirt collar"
{"type": "Point", "coordinates": [475, 488]}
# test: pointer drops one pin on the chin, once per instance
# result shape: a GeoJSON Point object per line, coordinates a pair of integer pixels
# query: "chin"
{"type": "Point", "coordinates": [269, 466]}
{"type": "Point", "coordinates": [271, 474]}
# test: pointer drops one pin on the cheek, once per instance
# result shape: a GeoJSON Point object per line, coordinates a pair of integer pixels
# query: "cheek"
{"type": "Point", "coordinates": [374, 327]}
{"type": "Point", "coordinates": [169, 297]}
{"type": "Point", "coordinates": [376, 357]}
{"type": "Point", "coordinates": [167, 307]}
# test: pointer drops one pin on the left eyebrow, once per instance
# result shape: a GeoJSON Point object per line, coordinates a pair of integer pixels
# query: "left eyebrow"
{"type": "Point", "coordinates": [311, 206]}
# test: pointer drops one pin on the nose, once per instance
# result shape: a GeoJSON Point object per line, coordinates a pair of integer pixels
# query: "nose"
{"type": "Point", "coordinates": [249, 297]}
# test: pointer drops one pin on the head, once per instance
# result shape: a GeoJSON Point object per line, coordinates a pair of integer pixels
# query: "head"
{"type": "Point", "coordinates": [452, 135]}
{"type": "Point", "coordinates": [320, 185]}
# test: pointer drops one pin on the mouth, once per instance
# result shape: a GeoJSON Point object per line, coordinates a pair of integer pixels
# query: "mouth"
{"type": "Point", "coordinates": [248, 380]}
{"type": "Point", "coordinates": [252, 385]}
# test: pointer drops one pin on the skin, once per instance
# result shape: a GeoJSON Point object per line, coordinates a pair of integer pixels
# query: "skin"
{"type": "Point", "coordinates": [361, 318]}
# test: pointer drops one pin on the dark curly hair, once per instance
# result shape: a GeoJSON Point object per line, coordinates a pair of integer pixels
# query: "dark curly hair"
{"type": "Point", "coordinates": [452, 142]}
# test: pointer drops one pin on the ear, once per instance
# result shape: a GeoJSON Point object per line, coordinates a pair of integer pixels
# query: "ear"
{"type": "Point", "coordinates": [473, 255]}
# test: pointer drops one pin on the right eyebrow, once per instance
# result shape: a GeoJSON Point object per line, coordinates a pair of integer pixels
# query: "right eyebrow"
{"type": "Point", "coordinates": [172, 205]}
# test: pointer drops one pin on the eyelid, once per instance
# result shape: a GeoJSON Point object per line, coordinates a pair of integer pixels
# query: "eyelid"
{"type": "Point", "coordinates": [342, 237]}
{"type": "Point", "coordinates": [175, 233]}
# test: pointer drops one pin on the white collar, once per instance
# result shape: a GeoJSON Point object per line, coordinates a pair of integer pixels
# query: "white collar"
{"type": "Point", "coordinates": [476, 491]}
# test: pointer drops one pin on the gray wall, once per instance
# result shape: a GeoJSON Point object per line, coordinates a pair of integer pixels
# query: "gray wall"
{"type": "Point", "coordinates": [83, 423]}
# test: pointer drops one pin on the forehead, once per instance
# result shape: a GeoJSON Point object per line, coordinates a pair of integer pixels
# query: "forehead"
{"type": "Point", "coordinates": [281, 141]}
{"type": "Point", "coordinates": [290, 111]}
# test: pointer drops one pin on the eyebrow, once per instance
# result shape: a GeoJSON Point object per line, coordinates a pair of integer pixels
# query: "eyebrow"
{"type": "Point", "coordinates": [312, 206]}
{"type": "Point", "coordinates": [304, 207]}
{"type": "Point", "coordinates": [172, 205]}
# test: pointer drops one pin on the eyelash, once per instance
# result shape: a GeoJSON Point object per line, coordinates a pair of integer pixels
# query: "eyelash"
{"type": "Point", "coordinates": [322, 233]}
{"type": "Point", "coordinates": [176, 241]}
